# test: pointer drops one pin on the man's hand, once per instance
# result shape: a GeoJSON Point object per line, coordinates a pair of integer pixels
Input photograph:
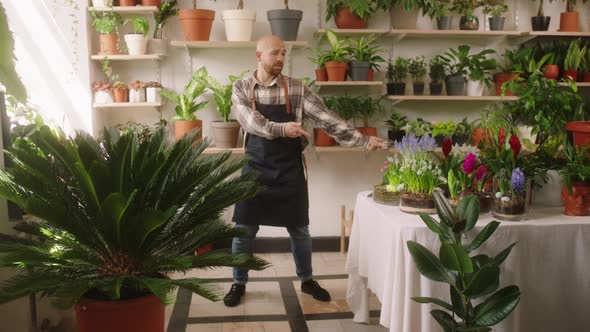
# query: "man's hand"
{"type": "Point", "coordinates": [293, 129]}
{"type": "Point", "coordinates": [375, 143]}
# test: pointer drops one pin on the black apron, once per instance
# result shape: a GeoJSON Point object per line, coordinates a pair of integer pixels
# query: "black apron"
{"type": "Point", "coordinates": [278, 164]}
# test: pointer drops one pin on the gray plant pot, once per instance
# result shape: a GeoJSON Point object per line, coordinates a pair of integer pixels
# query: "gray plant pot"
{"type": "Point", "coordinates": [359, 70]}
{"type": "Point", "coordinates": [455, 85]}
{"type": "Point", "coordinates": [444, 23]}
{"type": "Point", "coordinates": [284, 23]}
{"type": "Point", "coordinates": [418, 88]}
{"type": "Point", "coordinates": [436, 89]}
{"type": "Point", "coordinates": [497, 23]}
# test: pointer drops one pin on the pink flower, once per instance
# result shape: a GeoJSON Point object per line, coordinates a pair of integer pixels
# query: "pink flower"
{"type": "Point", "coordinates": [481, 171]}
{"type": "Point", "coordinates": [469, 163]}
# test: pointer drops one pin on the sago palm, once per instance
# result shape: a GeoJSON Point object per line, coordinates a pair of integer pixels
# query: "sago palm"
{"type": "Point", "coordinates": [118, 215]}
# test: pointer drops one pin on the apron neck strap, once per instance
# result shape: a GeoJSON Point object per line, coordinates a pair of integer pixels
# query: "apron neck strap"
{"type": "Point", "coordinates": [285, 87]}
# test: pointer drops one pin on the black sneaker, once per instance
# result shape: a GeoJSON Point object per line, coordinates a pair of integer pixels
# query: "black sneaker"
{"type": "Point", "coordinates": [232, 298]}
{"type": "Point", "coordinates": [312, 288]}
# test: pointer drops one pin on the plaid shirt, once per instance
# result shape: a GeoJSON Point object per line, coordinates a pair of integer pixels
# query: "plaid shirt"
{"type": "Point", "coordinates": [305, 103]}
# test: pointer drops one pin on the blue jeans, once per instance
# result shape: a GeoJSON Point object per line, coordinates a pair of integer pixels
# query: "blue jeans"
{"type": "Point", "coordinates": [300, 247]}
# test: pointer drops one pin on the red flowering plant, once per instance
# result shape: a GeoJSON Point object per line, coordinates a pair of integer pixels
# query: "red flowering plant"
{"type": "Point", "coordinates": [458, 163]}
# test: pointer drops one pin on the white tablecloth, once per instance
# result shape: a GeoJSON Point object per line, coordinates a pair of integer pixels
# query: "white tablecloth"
{"type": "Point", "coordinates": [550, 264]}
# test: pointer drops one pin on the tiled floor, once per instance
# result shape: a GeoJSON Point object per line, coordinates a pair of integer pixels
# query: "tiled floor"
{"type": "Point", "coordinates": [273, 301]}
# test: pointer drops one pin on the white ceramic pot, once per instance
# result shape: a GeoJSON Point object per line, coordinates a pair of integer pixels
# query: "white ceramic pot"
{"type": "Point", "coordinates": [239, 24]}
{"type": "Point", "coordinates": [475, 88]}
{"type": "Point", "coordinates": [137, 95]}
{"type": "Point", "coordinates": [153, 95]}
{"type": "Point", "coordinates": [103, 97]}
{"type": "Point", "coordinates": [136, 44]}
{"type": "Point", "coordinates": [102, 3]}
{"type": "Point", "coordinates": [157, 46]}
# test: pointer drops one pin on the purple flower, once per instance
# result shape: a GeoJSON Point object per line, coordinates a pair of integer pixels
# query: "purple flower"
{"type": "Point", "coordinates": [410, 144]}
{"type": "Point", "coordinates": [517, 180]}
{"type": "Point", "coordinates": [469, 163]}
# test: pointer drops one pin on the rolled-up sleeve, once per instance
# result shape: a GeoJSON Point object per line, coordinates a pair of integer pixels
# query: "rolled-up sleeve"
{"type": "Point", "coordinates": [251, 120]}
{"type": "Point", "coordinates": [315, 109]}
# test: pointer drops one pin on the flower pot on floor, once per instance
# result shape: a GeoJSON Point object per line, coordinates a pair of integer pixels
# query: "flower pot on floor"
{"type": "Point", "coordinates": [499, 79]}
{"type": "Point", "coordinates": [137, 95]}
{"type": "Point", "coordinates": [144, 314]}
{"type": "Point", "coordinates": [153, 94]}
{"type": "Point", "coordinates": [345, 19]}
{"type": "Point", "coordinates": [321, 75]}
{"type": "Point", "coordinates": [570, 74]}
{"type": "Point", "coordinates": [239, 24]}
{"type": "Point", "coordinates": [226, 133]}
{"type": "Point", "coordinates": [569, 22]}
{"type": "Point", "coordinates": [285, 23]}
{"type": "Point", "coordinates": [382, 196]}
{"type": "Point", "coordinates": [121, 95]}
{"type": "Point", "coordinates": [455, 85]}
{"type": "Point", "coordinates": [127, 3]}
{"type": "Point", "coordinates": [196, 23]}
{"type": "Point", "coordinates": [157, 46]}
{"type": "Point", "coordinates": [551, 72]}
{"type": "Point", "coordinates": [136, 44]}
{"type": "Point", "coordinates": [321, 138]}
{"type": "Point", "coordinates": [435, 89]}
{"type": "Point", "coordinates": [497, 23]}
{"type": "Point", "coordinates": [108, 44]}
{"type": "Point", "coordinates": [417, 203]}
{"type": "Point", "coordinates": [540, 23]}
{"type": "Point", "coordinates": [444, 23]}
{"type": "Point", "coordinates": [367, 131]}
{"type": "Point", "coordinates": [359, 70]}
{"type": "Point", "coordinates": [475, 88]}
{"type": "Point", "coordinates": [336, 70]}
{"type": "Point", "coordinates": [396, 135]}
{"type": "Point", "coordinates": [183, 127]}
{"type": "Point", "coordinates": [576, 203]}
{"type": "Point", "coordinates": [580, 131]}
{"type": "Point", "coordinates": [154, 3]}
{"type": "Point", "coordinates": [469, 23]}
{"type": "Point", "coordinates": [398, 89]}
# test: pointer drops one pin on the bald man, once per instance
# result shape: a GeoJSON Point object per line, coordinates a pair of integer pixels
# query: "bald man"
{"type": "Point", "coordinates": [271, 107]}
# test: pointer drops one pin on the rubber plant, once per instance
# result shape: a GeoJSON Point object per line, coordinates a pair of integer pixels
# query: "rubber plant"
{"type": "Point", "coordinates": [469, 276]}
{"type": "Point", "coordinates": [118, 215]}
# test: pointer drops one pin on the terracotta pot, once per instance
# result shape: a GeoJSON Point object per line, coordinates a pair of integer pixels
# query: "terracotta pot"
{"type": "Point", "coordinates": [344, 19]}
{"type": "Point", "coordinates": [321, 75]}
{"type": "Point", "coordinates": [367, 131]}
{"type": "Point", "coordinates": [121, 95]}
{"type": "Point", "coordinates": [586, 76]}
{"type": "Point", "coordinates": [108, 44]}
{"type": "Point", "coordinates": [580, 131]}
{"type": "Point", "coordinates": [570, 74]}
{"type": "Point", "coordinates": [127, 3]}
{"type": "Point", "coordinates": [578, 202]}
{"type": "Point", "coordinates": [499, 79]}
{"type": "Point", "coordinates": [569, 21]}
{"type": "Point", "coordinates": [371, 75]}
{"type": "Point", "coordinates": [480, 134]}
{"type": "Point", "coordinates": [156, 3]}
{"type": "Point", "coordinates": [336, 70]}
{"type": "Point", "coordinates": [551, 72]}
{"type": "Point", "coordinates": [321, 138]}
{"type": "Point", "coordinates": [196, 23]}
{"type": "Point", "coordinates": [183, 127]}
{"type": "Point", "coordinates": [144, 314]}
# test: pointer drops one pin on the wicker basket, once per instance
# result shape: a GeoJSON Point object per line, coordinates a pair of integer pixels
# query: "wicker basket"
{"type": "Point", "coordinates": [382, 196]}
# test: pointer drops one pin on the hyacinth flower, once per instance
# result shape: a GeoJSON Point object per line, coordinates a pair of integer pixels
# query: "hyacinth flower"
{"type": "Point", "coordinates": [517, 181]}
{"type": "Point", "coordinates": [419, 172]}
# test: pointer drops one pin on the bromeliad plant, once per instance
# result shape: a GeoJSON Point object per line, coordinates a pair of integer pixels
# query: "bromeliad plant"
{"type": "Point", "coordinates": [186, 107]}
{"type": "Point", "coordinates": [469, 276]}
{"type": "Point", "coordinates": [117, 215]}
{"type": "Point", "coordinates": [222, 93]}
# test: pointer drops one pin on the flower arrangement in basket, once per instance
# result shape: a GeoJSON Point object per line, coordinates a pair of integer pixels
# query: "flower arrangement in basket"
{"type": "Point", "coordinates": [419, 174]}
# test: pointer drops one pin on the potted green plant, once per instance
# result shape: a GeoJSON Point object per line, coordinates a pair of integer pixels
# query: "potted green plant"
{"type": "Point", "coordinates": [106, 25]}
{"type": "Point", "coordinates": [514, 65]}
{"type": "Point", "coordinates": [586, 67]}
{"type": "Point", "coordinates": [397, 71]}
{"type": "Point", "coordinates": [478, 71]}
{"type": "Point", "coordinates": [395, 126]}
{"type": "Point", "coordinates": [540, 22]}
{"type": "Point", "coordinates": [456, 62]}
{"type": "Point", "coordinates": [442, 130]}
{"type": "Point", "coordinates": [363, 55]}
{"type": "Point", "coordinates": [320, 59]}
{"type": "Point", "coordinates": [239, 23]}
{"type": "Point", "coordinates": [462, 132]}
{"type": "Point", "coordinates": [119, 88]}
{"type": "Point", "coordinates": [404, 13]}
{"type": "Point", "coordinates": [103, 92]}
{"type": "Point", "coordinates": [569, 20]}
{"type": "Point", "coordinates": [576, 174]}
{"type": "Point", "coordinates": [417, 69]}
{"type": "Point", "coordinates": [551, 67]}
{"type": "Point", "coordinates": [196, 23]}
{"type": "Point", "coordinates": [460, 178]}
{"type": "Point", "coordinates": [418, 127]}
{"type": "Point", "coordinates": [337, 57]}
{"type": "Point", "coordinates": [157, 45]}
{"type": "Point", "coordinates": [137, 41]}
{"type": "Point", "coordinates": [470, 276]}
{"type": "Point", "coordinates": [115, 225]}
{"type": "Point", "coordinates": [186, 106]}
{"type": "Point", "coordinates": [437, 75]}
{"type": "Point", "coordinates": [285, 22]}
{"type": "Point", "coordinates": [226, 131]}
{"type": "Point", "coordinates": [419, 174]}
{"type": "Point", "coordinates": [439, 10]}
{"type": "Point", "coordinates": [495, 8]}
{"type": "Point", "coordinates": [573, 60]}
{"type": "Point", "coordinates": [346, 107]}
{"type": "Point", "coordinates": [350, 14]}
{"type": "Point", "coordinates": [368, 108]}
{"type": "Point", "coordinates": [466, 8]}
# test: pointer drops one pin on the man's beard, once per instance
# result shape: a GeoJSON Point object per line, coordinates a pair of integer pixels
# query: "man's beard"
{"type": "Point", "coordinates": [272, 70]}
